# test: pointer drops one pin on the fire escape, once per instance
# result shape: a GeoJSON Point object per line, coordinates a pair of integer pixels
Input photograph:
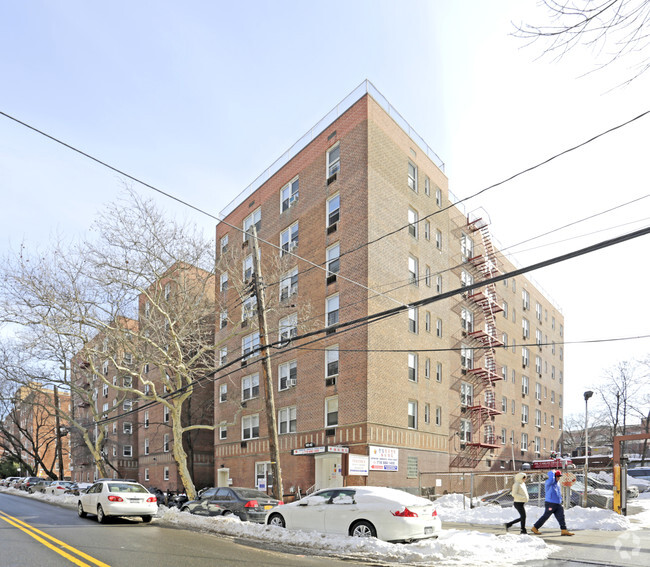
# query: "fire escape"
{"type": "Point", "coordinates": [478, 369]}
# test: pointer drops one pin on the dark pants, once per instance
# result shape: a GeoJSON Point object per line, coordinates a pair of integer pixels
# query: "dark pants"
{"type": "Point", "coordinates": [550, 509]}
{"type": "Point", "coordinates": [520, 507]}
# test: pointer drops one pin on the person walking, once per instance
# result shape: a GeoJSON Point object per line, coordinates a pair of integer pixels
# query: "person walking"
{"type": "Point", "coordinates": [520, 496]}
{"type": "Point", "coordinates": [552, 504]}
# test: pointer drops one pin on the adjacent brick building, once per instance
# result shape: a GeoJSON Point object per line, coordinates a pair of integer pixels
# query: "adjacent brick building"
{"type": "Point", "coordinates": [356, 220]}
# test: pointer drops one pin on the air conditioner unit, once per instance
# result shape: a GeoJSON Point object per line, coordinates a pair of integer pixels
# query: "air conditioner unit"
{"type": "Point", "coordinates": [332, 228]}
{"type": "Point", "coordinates": [331, 381]}
{"type": "Point", "coordinates": [244, 323]}
{"type": "Point", "coordinates": [243, 444]}
{"type": "Point", "coordinates": [292, 382]}
{"type": "Point", "coordinates": [293, 199]}
{"type": "Point", "coordinates": [331, 178]}
{"type": "Point", "coordinates": [330, 279]}
{"type": "Point", "coordinates": [330, 432]}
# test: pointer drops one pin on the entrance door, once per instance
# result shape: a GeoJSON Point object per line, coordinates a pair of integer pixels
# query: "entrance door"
{"type": "Point", "coordinates": [328, 471]}
{"type": "Point", "coordinates": [222, 477]}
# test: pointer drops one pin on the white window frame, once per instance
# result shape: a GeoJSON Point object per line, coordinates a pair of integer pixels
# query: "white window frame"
{"type": "Point", "coordinates": [332, 310]}
{"type": "Point", "coordinates": [465, 431]}
{"type": "Point", "coordinates": [332, 409]}
{"type": "Point", "coordinates": [223, 281]}
{"type": "Point", "coordinates": [413, 270]}
{"type": "Point", "coordinates": [333, 161]}
{"type": "Point", "coordinates": [288, 327]}
{"type": "Point", "coordinates": [412, 176]}
{"type": "Point", "coordinates": [254, 219]}
{"type": "Point", "coordinates": [223, 432]}
{"type": "Point", "coordinates": [223, 243]}
{"type": "Point", "coordinates": [412, 412]}
{"type": "Point", "coordinates": [146, 446]}
{"type": "Point", "coordinates": [332, 256]}
{"type": "Point", "coordinates": [413, 222]}
{"type": "Point", "coordinates": [466, 394]}
{"type": "Point", "coordinates": [289, 194]}
{"type": "Point", "coordinates": [287, 375]}
{"type": "Point", "coordinates": [250, 387]}
{"type": "Point", "coordinates": [287, 422]}
{"type": "Point", "coordinates": [289, 284]}
{"type": "Point", "coordinates": [127, 451]}
{"type": "Point", "coordinates": [166, 443]}
{"type": "Point", "coordinates": [333, 210]}
{"type": "Point", "coordinates": [331, 357]}
{"type": "Point", "coordinates": [223, 393]}
{"type": "Point", "coordinates": [249, 424]}
{"type": "Point", "coordinates": [413, 320]}
{"type": "Point", "coordinates": [412, 364]}
{"type": "Point", "coordinates": [250, 345]}
{"type": "Point", "coordinates": [289, 239]}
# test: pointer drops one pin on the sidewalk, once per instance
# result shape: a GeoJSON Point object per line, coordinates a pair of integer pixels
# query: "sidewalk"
{"type": "Point", "coordinates": [587, 547]}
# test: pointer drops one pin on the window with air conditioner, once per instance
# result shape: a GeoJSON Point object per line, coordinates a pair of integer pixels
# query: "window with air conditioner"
{"type": "Point", "coordinates": [333, 211]}
{"type": "Point", "coordinates": [413, 223]}
{"type": "Point", "coordinates": [333, 161]}
{"type": "Point", "coordinates": [525, 299]}
{"type": "Point", "coordinates": [289, 195]}
{"type": "Point", "coordinates": [252, 220]}
{"type": "Point", "coordinates": [289, 239]}
{"type": "Point", "coordinates": [127, 427]}
{"type": "Point", "coordinates": [332, 362]}
{"type": "Point", "coordinates": [289, 284]}
{"type": "Point", "coordinates": [332, 310]}
{"type": "Point", "coordinates": [287, 375]}
{"type": "Point", "coordinates": [524, 385]}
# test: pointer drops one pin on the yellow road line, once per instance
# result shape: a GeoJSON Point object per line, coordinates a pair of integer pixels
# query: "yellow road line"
{"type": "Point", "coordinates": [32, 531]}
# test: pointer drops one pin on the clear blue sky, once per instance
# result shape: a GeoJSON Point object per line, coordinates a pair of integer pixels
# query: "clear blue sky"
{"type": "Point", "coordinates": [199, 97]}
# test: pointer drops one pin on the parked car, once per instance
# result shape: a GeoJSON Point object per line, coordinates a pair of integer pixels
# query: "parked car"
{"type": "Point", "coordinates": [639, 472]}
{"type": "Point", "coordinates": [39, 486]}
{"type": "Point", "coordinates": [361, 511]}
{"type": "Point", "coordinates": [6, 482]}
{"type": "Point", "coordinates": [77, 488]}
{"type": "Point", "coordinates": [57, 487]}
{"type": "Point", "coordinates": [16, 482]}
{"type": "Point", "coordinates": [29, 481]}
{"type": "Point", "coordinates": [117, 498]}
{"type": "Point", "coordinates": [632, 491]}
{"type": "Point", "coordinates": [248, 504]}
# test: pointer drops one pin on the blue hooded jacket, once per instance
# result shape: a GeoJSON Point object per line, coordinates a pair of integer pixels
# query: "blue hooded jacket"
{"type": "Point", "coordinates": [553, 491]}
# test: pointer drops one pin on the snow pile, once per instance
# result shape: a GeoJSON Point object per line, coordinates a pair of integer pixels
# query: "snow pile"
{"type": "Point", "coordinates": [452, 546]}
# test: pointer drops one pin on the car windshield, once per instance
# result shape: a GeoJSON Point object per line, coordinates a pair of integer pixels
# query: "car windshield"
{"type": "Point", "coordinates": [123, 487]}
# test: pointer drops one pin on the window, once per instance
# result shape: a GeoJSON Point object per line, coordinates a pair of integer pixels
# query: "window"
{"type": "Point", "coordinates": [289, 327]}
{"type": "Point", "coordinates": [223, 319]}
{"type": "Point", "coordinates": [537, 445]}
{"type": "Point", "coordinates": [288, 375]}
{"type": "Point", "coordinates": [552, 421]}
{"type": "Point", "coordinates": [466, 394]}
{"type": "Point", "coordinates": [525, 327]}
{"type": "Point", "coordinates": [289, 284]}
{"type": "Point", "coordinates": [114, 451]}
{"type": "Point", "coordinates": [467, 320]}
{"type": "Point", "coordinates": [439, 372]}
{"type": "Point", "coordinates": [250, 427]}
{"type": "Point", "coordinates": [413, 367]}
{"type": "Point", "coordinates": [247, 268]}
{"type": "Point", "coordinates": [287, 420]}
{"type": "Point", "coordinates": [412, 415]}
{"type": "Point", "coordinates": [146, 474]}
{"type": "Point", "coordinates": [505, 309]}
{"type": "Point", "coordinates": [524, 413]}
{"type": "Point", "coordinates": [427, 413]}
{"type": "Point", "coordinates": [427, 230]}
{"type": "Point", "coordinates": [427, 368]}
{"type": "Point", "coordinates": [168, 290]}
{"type": "Point", "coordinates": [333, 253]}
{"type": "Point", "coordinates": [127, 428]}
{"type": "Point", "coordinates": [552, 396]}
{"type": "Point", "coordinates": [524, 385]}
{"type": "Point", "coordinates": [332, 362]}
{"type": "Point", "coordinates": [127, 405]}
{"type": "Point", "coordinates": [333, 210]}
{"type": "Point", "coordinates": [525, 299]}
{"type": "Point", "coordinates": [223, 393]}
{"type": "Point", "coordinates": [250, 387]}
{"type": "Point", "coordinates": [504, 404]}
{"type": "Point", "coordinates": [439, 328]}
{"type": "Point", "coordinates": [223, 355]}
{"type": "Point", "coordinates": [538, 311]}
{"type": "Point", "coordinates": [223, 281]}
{"type": "Point", "coordinates": [538, 418]}
{"type": "Point", "coordinates": [525, 357]}
{"type": "Point", "coordinates": [438, 284]}
{"type": "Point", "coordinates": [166, 473]}
{"type": "Point", "coordinates": [224, 244]}
{"type": "Point", "coordinates": [438, 415]}
{"type": "Point", "coordinates": [250, 345]}
{"type": "Point", "coordinates": [165, 414]}
{"type": "Point", "coordinates": [146, 446]}
{"type": "Point", "coordinates": [332, 412]}
{"type": "Point", "coordinates": [427, 322]}
{"type": "Point", "coordinates": [105, 368]}
{"type": "Point", "coordinates": [115, 427]}
{"type": "Point", "coordinates": [146, 419]}
{"type": "Point", "coordinates": [538, 364]}
{"type": "Point", "coordinates": [223, 432]}
{"type": "Point", "coordinates": [466, 246]}
{"type": "Point", "coordinates": [252, 220]}
{"type": "Point", "coordinates": [333, 161]}
{"type": "Point", "coordinates": [538, 337]}
{"type": "Point", "coordinates": [249, 308]}
{"type": "Point", "coordinates": [413, 270]}
{"type": "Point", "coordinates": [105, 390]}
{"type": "Point", "coordinates": [289, 195]}
{"type": "Point", "coordinates": [465, 431]}
{"type": "Point", "coordinates": [438, 197]}
{"type": "Point", "coordinates": [438, 239]}
{"type": "Point", "coordinates": [427, 276]}
{"type": "Point", "coordinates": [538, 391]}
{"type": "Point", "coordinates": [466, 357]}
{"type": "Point", "coordinates": [289, 239]}
{"type": "Point", "coordinates": [560, 400]}
{"type": "Point", "coordinates": [166, 443]}
{"type": "Point", "coordinates": [504, 434]}
{"type": "Point", "coordinates": [332, 310]}
{"type": "Point", "coordinates": [127, 451]}
{"type": "Point", "coordinates": [147, 310]}
{"type": "Point", "coordinates": [427, 185]}
{"type": "Point", "coordinates": [466, 279]}
{"type": "Point", "coordinates": [413, 223]}
{"type": "Point", "coordinates": [524, 441]}
{"type": "Point", "coordinates": [413, 319]}
{"type": "Point", "coordinates": [412, 179]}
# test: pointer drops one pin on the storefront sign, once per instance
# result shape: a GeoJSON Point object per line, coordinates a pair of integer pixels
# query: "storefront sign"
{"type": "Point", "coordinates": [357, 465]}
{"type": "Point", "coordinates": [308, 451]}
{"type": "Point", "coordinates": [337, 449]}
{"type": "Point", "coordinates": [383, 458]}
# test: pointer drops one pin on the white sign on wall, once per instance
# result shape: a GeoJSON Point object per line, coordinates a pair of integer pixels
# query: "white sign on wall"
{"type": "Point", "coordinates": [357, 465]}
{"type": "Point", "coordinates": [383, 458]}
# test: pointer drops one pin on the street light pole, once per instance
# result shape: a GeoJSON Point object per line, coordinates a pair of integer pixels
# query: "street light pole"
{"type": "Point", "coordinates": [588, 395]}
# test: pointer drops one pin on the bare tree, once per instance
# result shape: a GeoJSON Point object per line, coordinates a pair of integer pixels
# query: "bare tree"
{"type": "Point", "coordinates": [613, 29]}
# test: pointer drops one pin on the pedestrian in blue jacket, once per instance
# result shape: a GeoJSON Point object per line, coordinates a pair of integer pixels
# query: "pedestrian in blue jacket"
{"type": "Point", "coordinates": [552, 504]}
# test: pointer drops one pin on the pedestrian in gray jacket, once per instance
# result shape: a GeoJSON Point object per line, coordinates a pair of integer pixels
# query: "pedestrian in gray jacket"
{"type": "Point", "coordinates": [520, 496]}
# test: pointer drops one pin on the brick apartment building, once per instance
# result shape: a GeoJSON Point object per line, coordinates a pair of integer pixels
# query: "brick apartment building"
{"type": "Point", "coordinates": [362, 220]}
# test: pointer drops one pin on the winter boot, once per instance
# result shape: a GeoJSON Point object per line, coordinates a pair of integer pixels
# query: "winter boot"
{"type": "Point", "coordinates": [566, 532]}
{"type": "Point", "coordinates": [535, 531]}
{"type": "Point", "coordinates": [507, 526]}
{"type": "Point", "coordinates": [523, 532]}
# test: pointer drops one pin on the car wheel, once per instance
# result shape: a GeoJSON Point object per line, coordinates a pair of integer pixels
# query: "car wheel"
{"type": "Point", "coordinates": [185, 509]}
{"type": "Point", "coordinates": [226, 513]}
{"type": "Point", "coordinates": [276, 520]}
{"type": "Point", "coordinates": [80, 510]}
{"type": "Point", "coordinates": [363, 529]}
{"type": "Point", "coordinates": [101, 517]}
{"type": "Point", "coordinates": [146, 519]}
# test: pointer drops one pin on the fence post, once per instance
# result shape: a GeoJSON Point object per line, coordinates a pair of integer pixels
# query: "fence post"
{"type": "Point", "coordinates": [471, 490]}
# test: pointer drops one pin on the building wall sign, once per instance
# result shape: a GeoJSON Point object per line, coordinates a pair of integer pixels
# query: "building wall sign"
{"type": "Point", "coordinates": [383, 458]}
{"type": "Point", "coordinates": [308, 451]}
{"type": "Point", "coordinates": [357, 465]}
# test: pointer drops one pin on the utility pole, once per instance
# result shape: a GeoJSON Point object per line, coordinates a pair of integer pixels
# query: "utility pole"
{"type": "Point", "coordinates": [57, 424]}
{"type": "Point", "coordinates": [267, 373]}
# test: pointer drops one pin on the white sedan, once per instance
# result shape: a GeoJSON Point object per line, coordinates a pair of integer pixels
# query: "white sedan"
{"type": "Point", "coordinates": [117, 498]}
{"type": "Point", "coordinates": [57, 487]}
{"type": "Point", "coordinates": [362, 511]}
